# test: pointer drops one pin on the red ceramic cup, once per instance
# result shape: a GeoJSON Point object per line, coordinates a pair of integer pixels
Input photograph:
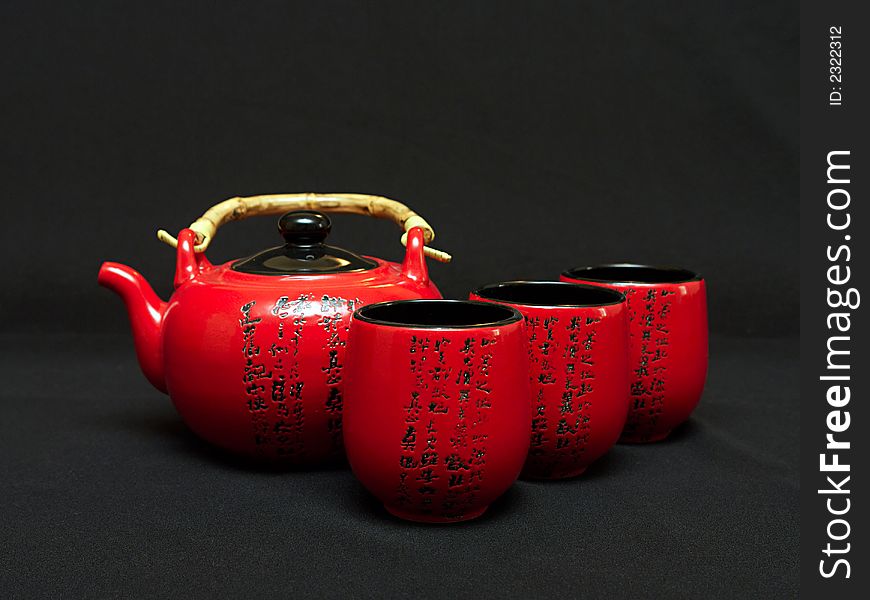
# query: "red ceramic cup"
{"type": "Point", "coordinates": [667, 310]}
{"type": "Point", "coordinates": [437, 408]}
{"type": "Point", "coordinates": [578, 351]}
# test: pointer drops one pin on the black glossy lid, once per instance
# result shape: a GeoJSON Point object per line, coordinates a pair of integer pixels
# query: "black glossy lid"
{"type": "Point", "coordinates": [304, 253]}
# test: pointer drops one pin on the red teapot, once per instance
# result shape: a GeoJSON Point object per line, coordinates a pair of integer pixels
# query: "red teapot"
{"type": "Point", "coordinates": [251, 352]}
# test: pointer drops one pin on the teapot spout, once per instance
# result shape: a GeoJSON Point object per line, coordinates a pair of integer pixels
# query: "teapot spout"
{"type": "Point", "coordinates": [146, 311]}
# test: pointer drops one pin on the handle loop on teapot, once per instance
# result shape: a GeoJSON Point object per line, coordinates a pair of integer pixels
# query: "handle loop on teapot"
{"type": "Point", "coordinates": [237, 209]}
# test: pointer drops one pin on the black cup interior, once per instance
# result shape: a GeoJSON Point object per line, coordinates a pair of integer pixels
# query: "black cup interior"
{"type": "Point", "coordinates": [549, 293]}
{"type": "Point", "coordinates": [438, 314]}
{"type": "Point", "coordinates": [632, 274]}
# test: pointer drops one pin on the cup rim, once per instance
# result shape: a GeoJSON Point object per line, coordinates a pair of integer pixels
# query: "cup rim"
{"type": "Point", "coordinates": [670, 275]}
{"type": "Point", "coordinates": [509, 315]}
{"type": "Point", "coordinates": [615, 297]}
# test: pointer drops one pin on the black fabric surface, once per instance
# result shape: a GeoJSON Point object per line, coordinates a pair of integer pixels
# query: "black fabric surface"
{"type": "Point", "coordinates": [107, 494]}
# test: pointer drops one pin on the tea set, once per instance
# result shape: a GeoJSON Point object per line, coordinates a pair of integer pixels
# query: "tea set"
{"type": "Point", "coordinates": [305, 352]}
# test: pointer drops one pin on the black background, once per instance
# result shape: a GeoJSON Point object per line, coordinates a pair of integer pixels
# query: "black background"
{"type": "Point", "coordinates": [533, 136]}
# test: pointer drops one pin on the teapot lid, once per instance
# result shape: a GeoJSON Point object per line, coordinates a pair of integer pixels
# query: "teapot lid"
{"type": "Point", "coordinates": [304, 253]}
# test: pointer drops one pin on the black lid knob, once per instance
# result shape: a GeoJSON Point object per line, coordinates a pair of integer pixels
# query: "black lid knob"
{"type": "Point", "coordinates": [304, 227]}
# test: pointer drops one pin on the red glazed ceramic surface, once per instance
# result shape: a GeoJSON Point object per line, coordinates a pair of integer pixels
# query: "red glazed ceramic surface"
{"type": "Point", "coordinates": [437, 417]}
{"type": "Point", "coordinates": [253, 363]}
{"type": "Point", "coordinates": [668, 343]}
{"type": "Point", "coordinates": [578, 351]}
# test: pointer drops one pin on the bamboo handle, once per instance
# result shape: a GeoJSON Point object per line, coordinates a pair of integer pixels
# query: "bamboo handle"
{"type": "Point", "coordinates": [236, 209]}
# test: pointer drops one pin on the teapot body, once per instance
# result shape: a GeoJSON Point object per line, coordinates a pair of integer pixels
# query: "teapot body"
{"type": "Point", "coordinates": [254, 364]}
{"type": "Point", "coordinates": [252, 352]}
